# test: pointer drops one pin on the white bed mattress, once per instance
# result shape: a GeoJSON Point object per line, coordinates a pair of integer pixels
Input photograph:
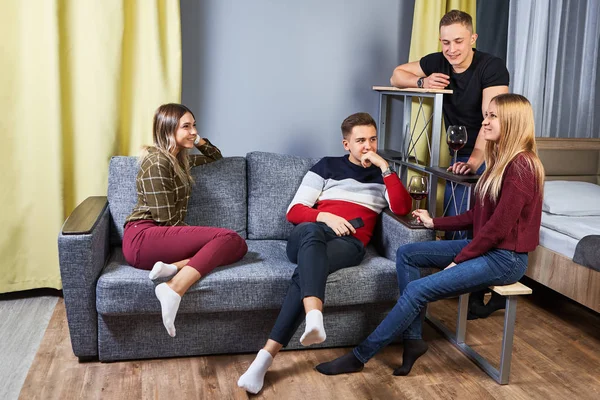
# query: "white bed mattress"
{"type": "Point", "coordinates": [561, 233]}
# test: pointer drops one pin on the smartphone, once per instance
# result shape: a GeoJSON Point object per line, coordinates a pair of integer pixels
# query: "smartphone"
{"type": "Point", "coordinates": [357, 222]}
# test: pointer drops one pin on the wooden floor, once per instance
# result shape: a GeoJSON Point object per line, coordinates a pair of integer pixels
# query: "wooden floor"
{"type": "Point", "coordinates": [556, 356]}
{"type": "Point", "coordinates": [24, 317]}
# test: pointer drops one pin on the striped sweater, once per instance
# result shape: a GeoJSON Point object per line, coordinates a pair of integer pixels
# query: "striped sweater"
{"type": "Point", "coordinates": [338, 186]}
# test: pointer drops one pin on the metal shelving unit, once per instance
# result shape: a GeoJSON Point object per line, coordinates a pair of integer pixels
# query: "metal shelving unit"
{"type": "Point", "coordinates": [406, 156]}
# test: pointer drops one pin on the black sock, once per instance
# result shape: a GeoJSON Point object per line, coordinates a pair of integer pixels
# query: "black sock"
{"type": "Point", "coordinates": [343, 365]}
{"type": "Point", "coordinates": [477, 297]}
{"type": "Point", "coordinates": [413, 349]}
{"type": "Point", "coordinates": [476, 303]}
{"type": "Point", "coordinates": [497, 302]}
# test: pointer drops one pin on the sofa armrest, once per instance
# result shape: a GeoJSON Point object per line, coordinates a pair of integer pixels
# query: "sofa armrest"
{"type": "Point", "coordinates": [83, 248]}
{"type": "Point", "coordinates": [85, 216]}
{"type": "Point", "coordinates": [390, 234]}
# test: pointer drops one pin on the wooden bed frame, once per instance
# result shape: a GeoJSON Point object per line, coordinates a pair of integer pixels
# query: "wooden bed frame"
{"type": "Point", "coordinates": [578, 160]}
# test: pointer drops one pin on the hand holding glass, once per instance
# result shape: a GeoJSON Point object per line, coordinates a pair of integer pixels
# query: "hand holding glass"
{"type": "Point", "coordinates": [456, 137]}
{"type": "Point", "coordinates": [418, 188]}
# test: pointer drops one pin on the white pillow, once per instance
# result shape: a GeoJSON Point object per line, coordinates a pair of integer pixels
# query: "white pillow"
{"type": "Point", "coordinates": [571, 198]}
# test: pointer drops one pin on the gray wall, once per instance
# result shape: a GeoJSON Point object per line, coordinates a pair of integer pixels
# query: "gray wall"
{"type": "Point", "coordinates": [281, 76]}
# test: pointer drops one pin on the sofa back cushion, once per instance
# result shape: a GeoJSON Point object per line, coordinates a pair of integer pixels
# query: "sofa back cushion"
{"type": "Point", "coordinates": [218, 197]}
{"type": "Point", "coordinates": [272, 183]}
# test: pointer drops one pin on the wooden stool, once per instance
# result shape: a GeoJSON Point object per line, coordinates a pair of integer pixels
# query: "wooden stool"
{"type": "Point", "coordinates": [510, 292]}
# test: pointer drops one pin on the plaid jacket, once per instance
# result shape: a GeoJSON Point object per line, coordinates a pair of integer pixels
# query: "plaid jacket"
{"type": "Point", "coordinates": [161, 195]}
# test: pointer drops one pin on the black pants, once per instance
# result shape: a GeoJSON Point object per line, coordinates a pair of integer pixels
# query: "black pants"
{"type": "Point", "coordinates": [318, 251]}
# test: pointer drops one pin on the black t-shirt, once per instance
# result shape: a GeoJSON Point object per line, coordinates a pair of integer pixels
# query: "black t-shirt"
{"type": "Point", "coordinates": [463, 107]}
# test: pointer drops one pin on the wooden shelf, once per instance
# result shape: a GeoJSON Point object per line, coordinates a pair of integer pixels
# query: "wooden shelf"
{"type": "Point", "coordinates": [407, 221]}
{"type": "Point", "coordinates": [414, 166]}
{"type": "Point", "coordinates": [434, 121]}
{"type": "Point", "coordinates": [391, 155]}
{"type": "Point", "coordinates": [449, 176]}
{"type": "Point", "coordinates": [415, 90]}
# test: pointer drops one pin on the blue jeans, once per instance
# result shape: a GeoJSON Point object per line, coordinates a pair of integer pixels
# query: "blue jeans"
{"type": "Point", "coordinates": [496, 267]}
{"type": "Point", "coordinates": [458, 205]}
{"type": "Point", "coordinates": [318, 251]}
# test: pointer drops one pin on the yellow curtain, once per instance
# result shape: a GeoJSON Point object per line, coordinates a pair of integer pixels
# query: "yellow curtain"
{"type": "Point", "coordinates": [425, 40]}
{"type": "Point", "coordinates": [80, 82]}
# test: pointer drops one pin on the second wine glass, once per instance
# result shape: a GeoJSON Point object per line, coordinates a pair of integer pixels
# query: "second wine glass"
{"type": "Point", "coordinates": [456, 137]}
{"type": "Point", "coordinates": [418, 188]}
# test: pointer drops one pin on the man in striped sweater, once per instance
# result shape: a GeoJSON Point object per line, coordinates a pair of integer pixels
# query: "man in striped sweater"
{"type": "Point", "coordinates": [335, 210]}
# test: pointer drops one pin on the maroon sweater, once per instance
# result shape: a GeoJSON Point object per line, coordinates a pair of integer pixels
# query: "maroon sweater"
{"type": "Point", "coordinates": [513, 223]}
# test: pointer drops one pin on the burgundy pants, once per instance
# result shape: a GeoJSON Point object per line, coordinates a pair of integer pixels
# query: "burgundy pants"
{"type": "Point", "coordinates": [145, 243]}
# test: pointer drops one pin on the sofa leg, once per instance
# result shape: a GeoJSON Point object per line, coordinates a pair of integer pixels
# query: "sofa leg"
{"type": "Point", "coordinates": [85, 359]}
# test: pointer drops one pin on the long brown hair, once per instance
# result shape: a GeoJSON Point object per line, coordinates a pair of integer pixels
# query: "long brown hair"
{"type": "Point", "coordinates": [517, 136]}
{"type": "Point", "coordinates": [165, 124]}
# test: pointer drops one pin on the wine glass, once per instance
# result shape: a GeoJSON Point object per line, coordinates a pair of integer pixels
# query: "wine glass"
{"type": "Point", "coordinates": [418, 188]}
{"type": "Point", "coordinates": [456, 137]}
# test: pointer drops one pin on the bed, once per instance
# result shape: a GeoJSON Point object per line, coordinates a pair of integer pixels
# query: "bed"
{"type": "Point", "coordinates": [551, 264]}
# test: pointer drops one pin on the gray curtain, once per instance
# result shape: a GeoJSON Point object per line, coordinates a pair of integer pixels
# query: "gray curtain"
{"type": "Point", "coordinates": [552, 57]}
{"type": "Point", "coordinates": [492, 26]}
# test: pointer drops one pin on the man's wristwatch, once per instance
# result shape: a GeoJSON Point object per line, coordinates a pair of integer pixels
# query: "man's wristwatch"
{"type": "Point", "coordinates": [420, 83]}
{"type": "Point", "coordinates": [388, 171]}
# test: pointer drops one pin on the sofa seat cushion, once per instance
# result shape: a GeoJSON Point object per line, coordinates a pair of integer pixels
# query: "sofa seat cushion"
{"type": "Point", "coordinates": [258, 282]}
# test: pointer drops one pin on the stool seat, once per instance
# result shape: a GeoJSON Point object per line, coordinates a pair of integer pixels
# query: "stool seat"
{"type": "Point", "coordinates": [512, 290]}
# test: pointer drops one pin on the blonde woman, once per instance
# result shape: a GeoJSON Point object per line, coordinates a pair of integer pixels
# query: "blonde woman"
{"type": "Point", "coordinates": [506, 222]}
{"type": "Point", "coordinates": [156, 238]}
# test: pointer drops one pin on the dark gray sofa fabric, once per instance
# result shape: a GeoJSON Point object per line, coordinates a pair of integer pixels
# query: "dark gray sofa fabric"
{"type": "Point", "coordinates": [113, 313]}
{"type": "Point", "coordinates": [218, 196]}
{"type": "Point", "coordinates": [143, 336]}
{"type": "Point", "coordinates": [587, 252]}
{"type": "Point", "coordinates": [81, 259]}
{"type": "Point", "coordinates": [257, 282]}
{"type": "Point", "coordinates": [272, 183]}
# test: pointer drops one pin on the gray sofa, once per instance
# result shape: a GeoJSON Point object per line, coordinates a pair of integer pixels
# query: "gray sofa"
{"type": "Point", "coordinates": [113, 313]}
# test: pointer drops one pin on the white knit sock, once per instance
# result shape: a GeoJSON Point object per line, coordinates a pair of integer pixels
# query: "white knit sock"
{"type": "Point", "coordinates": [169, 304]}
{"type": "Point", "coordinates": [314, 331]}
{"type": "Point", "coordinates": [162, 270]}
{"type": "Point", "coordinates": [254, 378]}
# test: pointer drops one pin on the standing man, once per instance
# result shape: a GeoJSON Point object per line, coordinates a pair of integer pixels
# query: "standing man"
{"type": "Point", "coordinates": [475, 78]}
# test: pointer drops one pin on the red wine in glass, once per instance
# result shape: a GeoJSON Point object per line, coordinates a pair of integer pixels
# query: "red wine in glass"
{"type": "Point", "coordinates": [418, 188]}
{"type": "Point", "coordinates": [418, 196]}
{"type": "Point", "coordinates": [456, 146]}
{"type": "Point", "coordinates": [456, 137]}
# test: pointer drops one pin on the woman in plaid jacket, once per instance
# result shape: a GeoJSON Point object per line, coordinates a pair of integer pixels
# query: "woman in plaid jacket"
{"type": "Point", "coordinates": [156, 238]}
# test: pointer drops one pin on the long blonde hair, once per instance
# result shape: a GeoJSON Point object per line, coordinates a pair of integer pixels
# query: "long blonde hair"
{"type": "Point", "coordinates": [517, 136]}
{"type": "Point", "coordinates": [165, 124]}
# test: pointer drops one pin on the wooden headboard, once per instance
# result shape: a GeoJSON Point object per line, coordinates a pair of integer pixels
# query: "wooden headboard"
{"type": "Point", "coordinates": [570, 159]}
{"type": "Point", "coordinates": [577, 160]}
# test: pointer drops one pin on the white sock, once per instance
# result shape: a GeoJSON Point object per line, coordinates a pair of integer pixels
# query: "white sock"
{"type": "Point", "coordinates": [254, 377]}
{"type": "Point", "coordinates": [162, 270]}
{"type": "Point", "coordinates": [169, 304]}
{"type": "Point", "coordinates": [314, 331]}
